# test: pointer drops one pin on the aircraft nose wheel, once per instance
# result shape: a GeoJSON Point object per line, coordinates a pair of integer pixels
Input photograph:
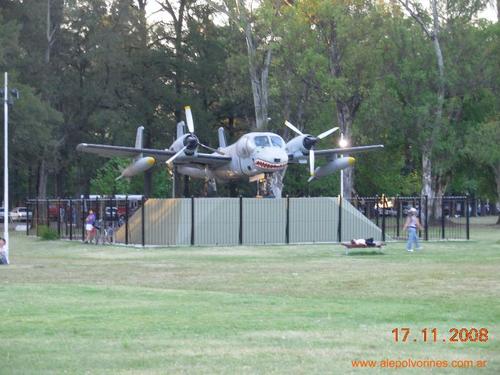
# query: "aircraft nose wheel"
{"type": "Point", "coordinates": [264, 186]}
{"type": "Point", "coordinates": [210, 188]}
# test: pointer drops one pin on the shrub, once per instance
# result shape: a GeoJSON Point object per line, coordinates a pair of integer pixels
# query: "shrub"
{"type": "Point", "coordinates": [47, 233]}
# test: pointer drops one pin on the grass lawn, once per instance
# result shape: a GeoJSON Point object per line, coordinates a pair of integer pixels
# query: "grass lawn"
{"type": "Point", "coordinates": [73, 308]}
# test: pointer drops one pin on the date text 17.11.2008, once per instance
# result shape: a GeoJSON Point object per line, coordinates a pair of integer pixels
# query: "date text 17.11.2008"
{"type": "Point", "coordinates": [406, 334]}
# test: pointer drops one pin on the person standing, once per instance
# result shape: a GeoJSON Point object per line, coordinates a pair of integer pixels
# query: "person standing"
{"type": "Point", "coordinates": [412, 224]}
{"type": "Point", "coordinates": [3, 253]}
{"type": "Point", "coordinates": [89, 227]}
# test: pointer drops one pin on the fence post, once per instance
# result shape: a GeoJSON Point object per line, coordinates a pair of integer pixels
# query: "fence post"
{"type": "Point", "coordinates": [383, 216]}
{"type": "Point", "coordinates": [27, 217]}
{"type": "Point", "coordinates": [59, 218]}
{"type": "Point", "coordinates": [287, 224]}
{"type": "Point", "coordinates": [442, 218]}
{"type": "Point", "coordinates": [240, 227]}
{"type": "Point", "coordinates": [376, 210]}
{"type": "Point", "coordinates": [37, 216]}
{"type": "Point", "coordinates": [467, 217]}
{"type": "Point", "coordinates": [192, 220]}
{"type": "Point", "coordinates": [143, 218]}
{"type": "Point", "coordinates": [83, 205]}
{"type": "Point", "coordinates": [71, 220]}
{"type": "Point", "coordinates": [126, 219]}
{"type": "Point", "coordinates": [339, 229]}
{"type": "Point", "coordinates": [426, 224]}
{"type": "Point", "coordinates": [48, 217]}
{"type": "Point", "coordinates": [111, 216]}
{"type": "Point", "coordinates": [398, 212]}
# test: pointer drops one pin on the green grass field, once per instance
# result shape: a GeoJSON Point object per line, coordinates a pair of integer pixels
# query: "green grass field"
{"type": "Point", "coordinates": [74, 308]}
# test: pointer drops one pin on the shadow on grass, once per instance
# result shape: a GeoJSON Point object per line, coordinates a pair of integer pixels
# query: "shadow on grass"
{"type": "Point", "coordinates": [373, 252]}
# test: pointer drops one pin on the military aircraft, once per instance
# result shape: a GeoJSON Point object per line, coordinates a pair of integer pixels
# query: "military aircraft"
{"type": "Point", "coordinates": [254, 157]}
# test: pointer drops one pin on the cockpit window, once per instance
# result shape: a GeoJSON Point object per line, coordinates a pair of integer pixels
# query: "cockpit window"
{"type": "Point", "coordinates": [277, 142]}
{"type": "Point", "coordinates": [261, 141]}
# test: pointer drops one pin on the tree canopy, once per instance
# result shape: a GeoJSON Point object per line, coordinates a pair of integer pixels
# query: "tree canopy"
{"type": "Point", "coordinates": [94, 70]}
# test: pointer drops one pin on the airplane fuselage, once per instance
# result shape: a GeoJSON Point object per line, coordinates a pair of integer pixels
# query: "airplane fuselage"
{"type": "Point", "coordinates": [252, 154]}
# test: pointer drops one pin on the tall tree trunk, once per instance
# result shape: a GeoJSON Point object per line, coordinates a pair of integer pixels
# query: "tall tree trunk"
{"type": "Point", "coordinates": [344, 119]}
{"type": "Point", "coordinates": [441, 185]}
{"type": "Point", "coordinates": [259, 82]}
{"type": "Point", "coordinates": [346, 108]}
{"type": "Point", "coordinates": [259, 70]}
{"type": "Point", "coordinates": [43, 175]}
{"type": "Point", "coordinates": [50, 33]}
{"type": "Point", "coordinates": [439, 113]}
{"type": "Point", "coordinates": [178, 20]}
{"type": "Point", "coordinates": [427, 189]}
{"type": "Point", "coordinates": [428, 144]}
{"type": "Point", "coordinates": [148, 175]}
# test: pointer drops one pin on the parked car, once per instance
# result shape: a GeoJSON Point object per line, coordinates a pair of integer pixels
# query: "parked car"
{"type": "Point", "coordinates": [387, 211]}
{"type": "Point", "coordinates": [111, 213]}
{"type": "Point", "coordinates": [19, 214]}
{"type": "Point", "coordinates": [386, 207]}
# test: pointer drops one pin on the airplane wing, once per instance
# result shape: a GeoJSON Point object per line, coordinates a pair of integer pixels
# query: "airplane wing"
{"type": "Point", "coordinates": [159, 155]}
{"type": "Point", "coordinates": [213, 160]}
{"type": "Point", "coordinates": [331, 153]}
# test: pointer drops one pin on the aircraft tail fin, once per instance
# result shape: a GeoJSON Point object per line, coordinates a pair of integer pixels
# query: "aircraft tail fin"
{"type": "Point", "coordinates": [222, 137]}
{"type": "Point", "coordinates": [138, 137]}
{"type": "Point", "coordinates": [180, 129]}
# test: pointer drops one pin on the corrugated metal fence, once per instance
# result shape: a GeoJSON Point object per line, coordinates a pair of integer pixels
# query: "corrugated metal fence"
{"type": "Point", "coordinates": [206, 221]}
{"type": "Point", "coordinates": [248, 221]}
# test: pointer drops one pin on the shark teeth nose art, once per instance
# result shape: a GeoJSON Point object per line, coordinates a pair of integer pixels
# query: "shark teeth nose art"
{"type": "Point", "coordinates": [267, 165]}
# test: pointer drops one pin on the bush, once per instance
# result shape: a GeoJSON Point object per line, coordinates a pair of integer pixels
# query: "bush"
{"type": "Point", "coordinates": [47, 233]}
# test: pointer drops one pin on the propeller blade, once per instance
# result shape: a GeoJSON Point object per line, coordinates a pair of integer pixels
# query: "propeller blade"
{"type": "Point", "coordinates": [327, 133]}
{"type": "Point", "coordinates": [169, 161]}
{"type": "Point", "coordinates": [211, 149]}
{"type": "Point", "coordinates": [291, 126]}
{"type": "Point", "coordinates": [311, 162]}
{"type": "Point", "coordinates": [189, 119]}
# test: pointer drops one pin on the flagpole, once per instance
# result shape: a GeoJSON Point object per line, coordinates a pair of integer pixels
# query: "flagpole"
{"type": "Point", "coordinates": [6, 167]}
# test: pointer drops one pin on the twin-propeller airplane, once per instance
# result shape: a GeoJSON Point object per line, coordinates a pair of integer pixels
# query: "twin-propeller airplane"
{"type": "Point", "coordinates": [255, 156]}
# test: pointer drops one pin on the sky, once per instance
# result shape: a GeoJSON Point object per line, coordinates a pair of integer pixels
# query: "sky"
{"type": "Point", "coordinates": [490, 13]}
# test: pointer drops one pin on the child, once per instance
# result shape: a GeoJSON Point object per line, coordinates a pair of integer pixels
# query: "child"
{"type": "Point", "coordinates": [3, 252]}
{"type": "Point", "coordinates": [412, 224]}
{"type": "Point", "coordinates": [89, 227]}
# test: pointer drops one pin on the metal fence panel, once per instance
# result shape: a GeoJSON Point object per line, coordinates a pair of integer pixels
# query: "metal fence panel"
{"type": "Point", "coordinates": [355, 225]}
{"type": "Point", "coordinates": [216, 221]}
{"type": "Point", "coordinates": [167, 221]}
{"type": "Point", "coordinates": [313, 220]}
{"type": "Point", "coordinates": [264, 221]}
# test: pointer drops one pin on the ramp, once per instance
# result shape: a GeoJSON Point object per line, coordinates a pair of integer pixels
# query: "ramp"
{"type": "Point", "coordinates": [249, 221]}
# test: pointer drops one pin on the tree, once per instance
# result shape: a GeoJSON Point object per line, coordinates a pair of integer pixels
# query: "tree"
{"type": "Point", "coordinates": [483, 148]}
{"type": "Point", "coordinates": [259, 52]}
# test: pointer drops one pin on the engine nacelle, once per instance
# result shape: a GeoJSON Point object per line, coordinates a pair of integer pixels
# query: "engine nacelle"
{"type": "Point", "coordinates": [296, 147]}
{"type": "Point", "coordinates": [138, 166]}
{"type": "Point", "coordinates": [333, 166]}
{"type": "Point", "coordinates": [300, 145]}
{"type": "Point", "coordinates": [245, 146]}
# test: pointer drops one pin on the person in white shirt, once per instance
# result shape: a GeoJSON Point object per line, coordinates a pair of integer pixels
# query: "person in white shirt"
{"type": "Point", "coordinates": [412, 224]}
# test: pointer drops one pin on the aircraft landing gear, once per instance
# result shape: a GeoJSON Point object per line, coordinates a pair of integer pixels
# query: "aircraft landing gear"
{"type": "Point", "coordinates": [264, 186]}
